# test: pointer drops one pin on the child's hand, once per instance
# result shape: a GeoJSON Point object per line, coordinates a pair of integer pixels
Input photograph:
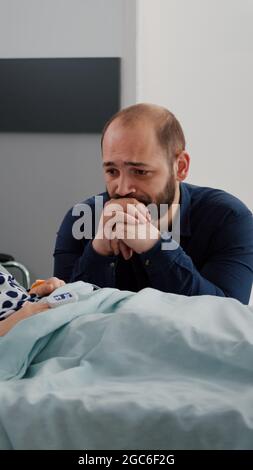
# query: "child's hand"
{"type": "Point", "coordinates": [46, 287]}
{"type": "Point", "coordinates": [30, 308]}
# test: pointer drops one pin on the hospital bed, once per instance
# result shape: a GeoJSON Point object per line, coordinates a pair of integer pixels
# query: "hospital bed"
{"type": "Point", "coordinates": [123, 370]}
{"type": "Point", "coordinates": [9, 262]}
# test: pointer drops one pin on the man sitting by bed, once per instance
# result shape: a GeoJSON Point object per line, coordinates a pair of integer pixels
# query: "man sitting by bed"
{"type": "Point", "coordinates": [145, 162]}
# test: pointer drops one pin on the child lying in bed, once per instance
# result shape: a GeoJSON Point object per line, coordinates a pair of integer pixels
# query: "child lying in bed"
{"type": "Point", "coordinates": [17, 304]}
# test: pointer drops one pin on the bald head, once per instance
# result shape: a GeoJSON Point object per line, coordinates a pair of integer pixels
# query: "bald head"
{"type": "Point", "coordinates": [167, 129]}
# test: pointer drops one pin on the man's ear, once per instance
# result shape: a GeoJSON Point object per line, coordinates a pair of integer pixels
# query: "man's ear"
{"type": "Point", "coordinates": [181, 167]}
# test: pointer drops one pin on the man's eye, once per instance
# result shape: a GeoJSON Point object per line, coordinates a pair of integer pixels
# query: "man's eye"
{"type": "Point", "coordinates": [140, 172]}
{"type": "Point", "coordinates": [111, 171]}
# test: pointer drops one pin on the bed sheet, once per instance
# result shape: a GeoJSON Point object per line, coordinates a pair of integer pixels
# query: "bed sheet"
{"type": "Point", "coordinates": [122, 370]}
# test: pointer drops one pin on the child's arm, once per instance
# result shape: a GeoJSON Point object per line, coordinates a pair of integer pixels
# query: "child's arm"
{"type": "Point", "coordinates": [26, 311]}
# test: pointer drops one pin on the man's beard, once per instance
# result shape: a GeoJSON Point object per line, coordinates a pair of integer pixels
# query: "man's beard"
{"type": "Point", "coordinates": [166, 196]}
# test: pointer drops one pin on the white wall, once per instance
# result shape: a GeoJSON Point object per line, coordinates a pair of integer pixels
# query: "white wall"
{"type": "Point", "coordinates": [193, 56]}
{"type": "Point", "coordinates": [42, 176]}
{"type": "Point", "coordinates": [196, 58]}
{"type": "Point", "coordinates": [129, 51]}
{"type": "Point", "coordinates": [60, 28]}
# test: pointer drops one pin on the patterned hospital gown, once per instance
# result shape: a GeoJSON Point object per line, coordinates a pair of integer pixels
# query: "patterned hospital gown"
{"type": "Point", "coordinates": [12, 295]}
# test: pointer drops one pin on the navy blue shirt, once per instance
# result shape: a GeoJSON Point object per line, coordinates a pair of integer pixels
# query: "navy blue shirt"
{"type": "Point", "coordinates": [215, 255]}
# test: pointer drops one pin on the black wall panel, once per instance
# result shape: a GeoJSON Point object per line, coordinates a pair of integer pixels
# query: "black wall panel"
{"type": "Point", "coordinates": [58, 95]}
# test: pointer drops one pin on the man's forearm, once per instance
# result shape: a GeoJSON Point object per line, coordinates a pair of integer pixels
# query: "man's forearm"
{"type": "Point", "coordinates": [173, 271]}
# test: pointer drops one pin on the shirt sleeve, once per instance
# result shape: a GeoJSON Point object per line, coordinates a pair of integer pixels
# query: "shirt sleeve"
{"type": "Point", "coordinates": [75, 259]}
{"type": "Point", "coordinates": [227, 271]}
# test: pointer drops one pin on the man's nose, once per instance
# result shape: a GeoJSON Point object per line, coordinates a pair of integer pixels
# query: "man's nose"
{"type": "Point", "coordinates": [124, 186]}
